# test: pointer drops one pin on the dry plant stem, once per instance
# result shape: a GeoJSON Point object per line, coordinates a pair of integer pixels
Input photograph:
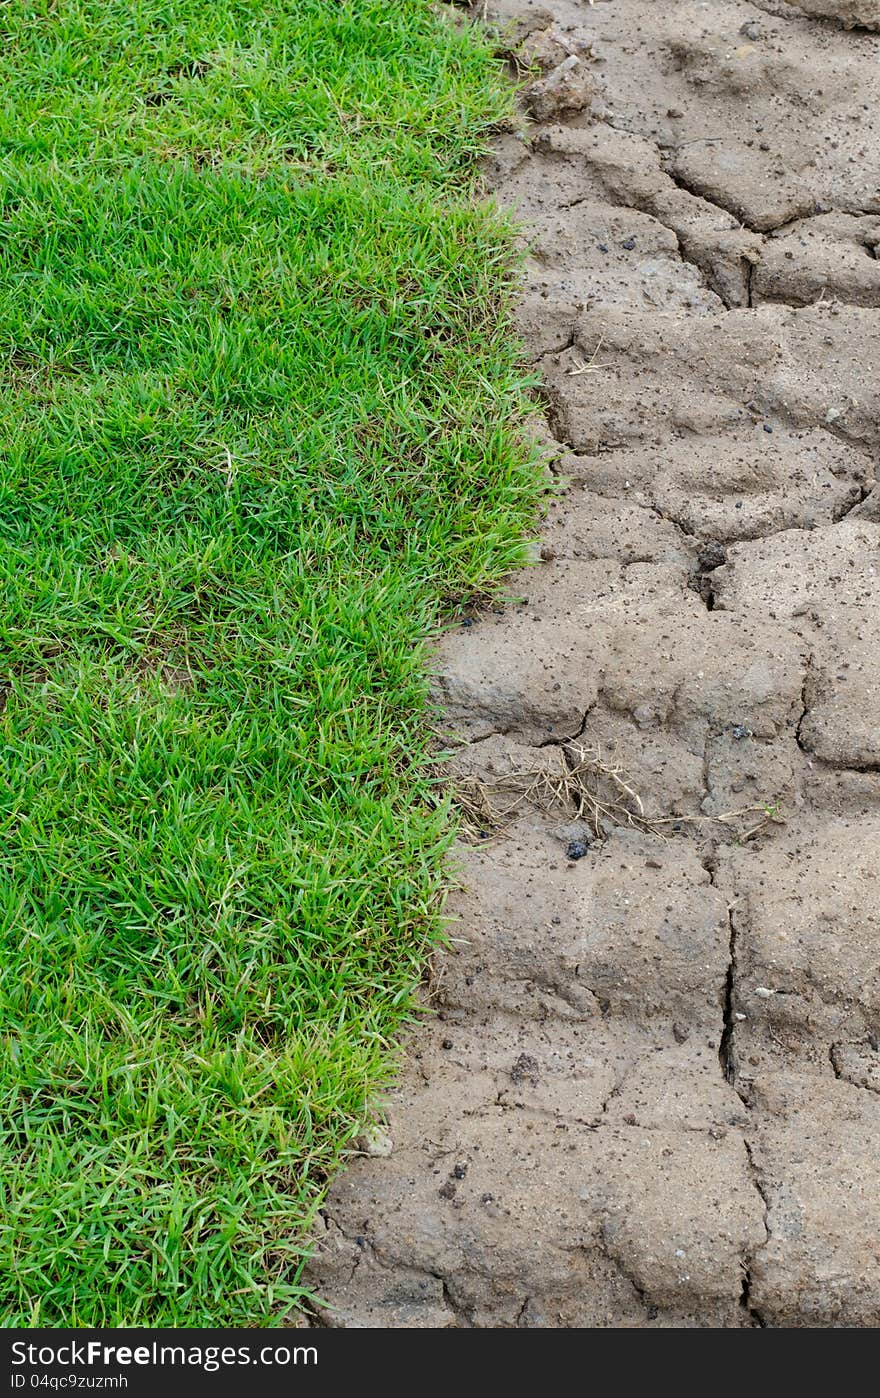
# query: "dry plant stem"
{"type": "Point", "coordinates": [579, 785]}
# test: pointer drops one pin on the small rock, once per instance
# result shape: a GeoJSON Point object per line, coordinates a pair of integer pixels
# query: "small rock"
{"type": "Point", "coordinates": [544, 49]}
{"type": "Point", "coordinates": [568, 88]}
{"type": "Point", "coordinates": [576, 849]}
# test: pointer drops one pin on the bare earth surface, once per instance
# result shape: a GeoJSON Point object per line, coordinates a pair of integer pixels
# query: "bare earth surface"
{"type": "Point", "coordinates": [652, 1090]}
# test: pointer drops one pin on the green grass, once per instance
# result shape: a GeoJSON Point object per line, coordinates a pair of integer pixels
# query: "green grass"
{"type": "Point", "coordinates": [258, 420]}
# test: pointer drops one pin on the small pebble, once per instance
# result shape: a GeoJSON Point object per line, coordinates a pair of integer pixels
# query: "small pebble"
{"type": "Point", "coordinates": [576, 849]}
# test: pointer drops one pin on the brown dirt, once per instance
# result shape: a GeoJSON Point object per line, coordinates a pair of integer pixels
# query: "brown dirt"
{"type": "Point", "coordinates": [651, 1093]}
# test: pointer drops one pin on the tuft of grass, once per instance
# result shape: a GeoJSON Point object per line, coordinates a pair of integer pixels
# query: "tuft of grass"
{"type": "Point", "coordinates": [258, 416]}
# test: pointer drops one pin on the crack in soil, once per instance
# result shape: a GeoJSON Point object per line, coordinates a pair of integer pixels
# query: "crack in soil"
{"type": "Point", "coordinates": [698, 191]}
{"type": "Point", "coordinates": [805, 708]}
{"type": "Point", "coordinates": [726, 1044]}
{"type": "Point", "coordinates": [746, 1300]}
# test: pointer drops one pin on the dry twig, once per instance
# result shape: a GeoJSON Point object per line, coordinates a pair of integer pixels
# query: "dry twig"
{"type": "Point", "coordinates": [596, 787]}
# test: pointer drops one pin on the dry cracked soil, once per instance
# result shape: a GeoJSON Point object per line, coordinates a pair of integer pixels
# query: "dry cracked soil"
{"type": "Point", "coordinates": [650, 1091]}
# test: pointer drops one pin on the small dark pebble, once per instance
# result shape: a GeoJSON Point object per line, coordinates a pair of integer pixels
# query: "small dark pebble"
{"type": "Point", "coordinates": [739, 731]}
{"type": "Point", "coordinates": [460, 1171]}
{"type": "Point", "coordinates": [603, 247]}
{"type": "Point", "coordinates": [767, 427]}
{"type": "Point", "coordinates": [447, 1043]}
{"type": "Point", "coordinates": [360, 1242]}
{"type": "Point", "coordinates": [576, 849]}
{"type": "Point", "coordinates": [467, 621]}
{"type": "Point", "coordinates": [629, 244]}
{"type": "Point", "coordinates": [486, 1198]}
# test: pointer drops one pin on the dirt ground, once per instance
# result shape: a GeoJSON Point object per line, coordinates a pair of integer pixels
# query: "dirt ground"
{"type": "Point", "coordinates": [651, 1094]}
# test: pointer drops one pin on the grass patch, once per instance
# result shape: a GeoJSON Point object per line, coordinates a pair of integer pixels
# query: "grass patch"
{"type": "Point", "coordinates": [257, 393]}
